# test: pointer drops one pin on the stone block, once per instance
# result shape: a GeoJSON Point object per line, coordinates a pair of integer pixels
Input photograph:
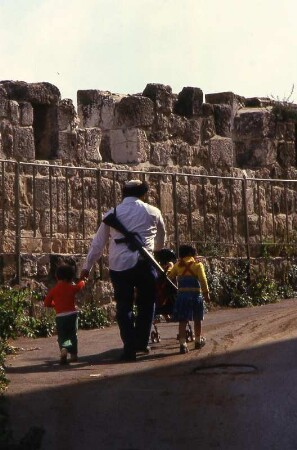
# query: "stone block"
{"type": "Point", "coordinates": [207, 129]}
{"type": "Point", "coordinates": [41, 193]}
{"type": "Point", "coordinates": [223, 120]}
{"type": "Point", "coordinates": [92, 144]}
{"type": "Point", "coordinates": [70, 222]}
{"type": "Point", "coordinates": [226, 98]}
{"type": "Point", "coordinates": [67, 117]}
{"type": "Point", "coordinates": [134, 111]}
{"type": "Point", "coordinates": [253, 123]}
{"type": "Point", "coordinates": [255, 153]}
{"type": "Point", "coordinates": [253, 224]}
{"type": "Point", "coordinates": [182, 154]}
{"type": "Point", "coordinates": [45, 225]}
{"type": "Point", "coordinates": [43, 262]}
{"type": "Point", "coordinates": [80, 145]}
{"type": "Point", "coordinates": [4, 111]}
{"type": "Point", "coordinates": [108, 111]}
{"type": "Point", "coordinates": [236, 102]}
{"type": "Point", "coordinates": [89, 106]}
{"type": "Point", "coordinates": [177, 127]}
{"type": "Point", "coordinates": [67, 142]}
{"type": "Point", "coordinates": [161, 154]}
{"type": "Point", "coordinates": [26, 114]}
{"type": "Point", "coordinates": [96, 108]}
{"type": "Point", "coordinates": [189, 102]}
{"type": "Point", "coordinates": [88, 143]}
{"type": "Point", "coordinates": [161, 126]}
{"type": "Point", "coordinates": [221, 152]}
{"type": "Point", "coordinates": [89, 115]}
{"type": "Point", "coordinates": [129, 146]}
{"type": "Point", "coordinates": [161, 95]}
{"type": "Point", "coordinates": [23, 143]}
{"type": "Point", "coordinates": [166, 200]}
{"type": "Point", "coordinates": [192, 132]}
{"type": "Point", "coordinates": [14, 112]}
{"type": "Point", "coordinates": [31, 244]}
{"type": "Point", "coordinates": [258, 102]}
{"type": "Point", "coordinates": [286, 156]}
{"type": "Point", "coordinates": [36, 93]}
{"type": "Point", "coordinates": [207, 110]}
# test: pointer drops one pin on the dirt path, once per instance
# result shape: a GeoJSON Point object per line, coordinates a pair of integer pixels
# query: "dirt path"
{"type": "Point", "coordinates": [238, 392]}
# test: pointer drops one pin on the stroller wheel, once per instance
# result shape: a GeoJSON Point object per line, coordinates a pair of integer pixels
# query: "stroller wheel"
{"type": "Point", "coordinates": [155, 336]}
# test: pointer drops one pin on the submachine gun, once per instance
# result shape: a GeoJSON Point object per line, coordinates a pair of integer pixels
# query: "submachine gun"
{"type": "Point", "coordinates": [134, 243]}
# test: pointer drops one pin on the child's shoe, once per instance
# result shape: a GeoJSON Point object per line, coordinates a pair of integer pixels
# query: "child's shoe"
{"type": "Point", "coordinates": [183, 349]}
{"type": "Point", "coordinates": [199, 344]}
{"type": "Point", "coordinates": [63, 357]}
{"type": "Point", "coordinates": [73, 357]}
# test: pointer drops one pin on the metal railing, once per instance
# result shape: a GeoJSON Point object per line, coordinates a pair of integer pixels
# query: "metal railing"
{"type": "Point", "coordinates": [56, 209]}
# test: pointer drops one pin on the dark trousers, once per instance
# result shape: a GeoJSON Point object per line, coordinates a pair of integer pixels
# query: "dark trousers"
{"type": "Point", "coordinates": [136, 286]}
{"type": "Point", "coordinates": [67, 332]}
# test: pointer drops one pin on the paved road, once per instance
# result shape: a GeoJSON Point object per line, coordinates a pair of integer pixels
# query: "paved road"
{"type": "Point", "coordinates": [238, 392]}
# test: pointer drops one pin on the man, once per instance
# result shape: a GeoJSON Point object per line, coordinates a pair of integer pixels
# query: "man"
{"type": "Point", "coordinates": [133, 277]}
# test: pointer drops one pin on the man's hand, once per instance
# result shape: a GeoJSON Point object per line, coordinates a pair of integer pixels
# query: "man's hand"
{"type": "Point", "coordinates": [84, 274]}
{"type": "Point", "coordinates": [206, 297]}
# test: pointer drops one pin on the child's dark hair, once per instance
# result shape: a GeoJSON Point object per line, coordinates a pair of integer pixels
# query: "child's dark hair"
{"type": "Point", "coordinates": [186, 250]}
{"type": "Point", "coordinates": [164, 256]}
{"type": "Point", "coordinates": [65, 272]}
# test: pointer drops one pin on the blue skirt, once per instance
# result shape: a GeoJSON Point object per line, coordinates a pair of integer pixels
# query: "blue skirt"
{"type": "Point", "coordinates": [188, 307]}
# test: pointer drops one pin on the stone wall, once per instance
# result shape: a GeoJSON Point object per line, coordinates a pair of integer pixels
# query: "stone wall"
{"type": "Point", "coordinates": [155, 129]}
{"type": "Point", "coordinates": [53, 210]}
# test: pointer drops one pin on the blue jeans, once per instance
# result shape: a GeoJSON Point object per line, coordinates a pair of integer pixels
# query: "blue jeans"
{"type": "Point", "coordinates": [135, 286]}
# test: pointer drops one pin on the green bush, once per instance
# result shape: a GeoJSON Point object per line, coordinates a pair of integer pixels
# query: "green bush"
{"type": "Point", "coordinates": [22, 314]}
{"type": "Point", "coordinates": [3, 379]}
{"type": "Point", "coordinates": [238, 288]}
{"type": "Point", "coordinates": [92, 316]}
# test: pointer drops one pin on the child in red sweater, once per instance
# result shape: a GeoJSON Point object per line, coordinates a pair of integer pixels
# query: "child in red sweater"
{"type": "Point", "coordinates": [62, 298]}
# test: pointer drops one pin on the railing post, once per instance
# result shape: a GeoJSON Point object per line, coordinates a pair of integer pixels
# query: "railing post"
{"type": "Point", "coordinates": [246, 223]}
{"type": "Point", "coordinates": [99, 214]}
{"type": "Point", "coordinates": [17, 224]}
{"type": "Point", "coordinates": [175, 217]}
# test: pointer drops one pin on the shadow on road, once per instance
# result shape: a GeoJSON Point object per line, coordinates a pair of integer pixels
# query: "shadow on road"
{"type": "Point", "coordinates": [166, 401]}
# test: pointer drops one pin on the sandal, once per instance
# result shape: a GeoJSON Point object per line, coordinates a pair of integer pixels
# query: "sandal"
{"type": "Point", "coordinates": [200, 343]}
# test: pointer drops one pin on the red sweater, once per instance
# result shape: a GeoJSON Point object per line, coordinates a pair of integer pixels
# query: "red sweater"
{"type": "Point", "coordinates": [62, 296]}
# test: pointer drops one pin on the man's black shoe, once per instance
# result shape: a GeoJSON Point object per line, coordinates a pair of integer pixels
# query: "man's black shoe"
{"type": "Point", "coordinates": [147, 349]}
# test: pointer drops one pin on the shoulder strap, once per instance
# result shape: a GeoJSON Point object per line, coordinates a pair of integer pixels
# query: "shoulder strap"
{"type": "Point", "coordinates": [187, 268]}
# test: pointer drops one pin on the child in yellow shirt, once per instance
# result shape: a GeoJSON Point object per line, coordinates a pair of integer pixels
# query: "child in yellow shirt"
{"type": "Point", "coordinates": [191, 282]}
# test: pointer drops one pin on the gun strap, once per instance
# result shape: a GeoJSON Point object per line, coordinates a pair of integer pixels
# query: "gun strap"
{"type": "Point", "coordinates": [129, 238]}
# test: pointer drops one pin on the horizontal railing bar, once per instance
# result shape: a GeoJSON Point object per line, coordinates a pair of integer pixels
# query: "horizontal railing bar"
{"type": "Point", "coordinates": [179, 174]}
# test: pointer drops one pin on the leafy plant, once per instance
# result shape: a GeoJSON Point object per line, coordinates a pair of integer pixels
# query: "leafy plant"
{"type": "Point", "coordinates": [239, 288]}
{"type": "Point", "coordinates": [3, 379]}
{"type": "Point", "coordinates": [22, 314]}
{"type": "Point", "coordinates": [91, 316]}
{"type": "Point", "coordinates": [284, 110]}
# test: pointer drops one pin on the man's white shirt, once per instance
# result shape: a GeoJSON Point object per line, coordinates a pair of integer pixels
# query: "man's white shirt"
{"type": "Point", "coordinates": [137, 217]}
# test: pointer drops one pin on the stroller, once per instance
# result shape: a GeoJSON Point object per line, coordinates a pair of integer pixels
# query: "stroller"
{"type": "Point", "coordinates": [166, 297]}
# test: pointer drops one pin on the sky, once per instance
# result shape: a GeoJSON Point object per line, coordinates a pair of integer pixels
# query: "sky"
{"type": "Point", "coordinates": [247, 47]}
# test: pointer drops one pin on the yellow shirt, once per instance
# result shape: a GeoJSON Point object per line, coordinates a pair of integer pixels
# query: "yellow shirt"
{"type": "Point", "coordinates": [197, 269]}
